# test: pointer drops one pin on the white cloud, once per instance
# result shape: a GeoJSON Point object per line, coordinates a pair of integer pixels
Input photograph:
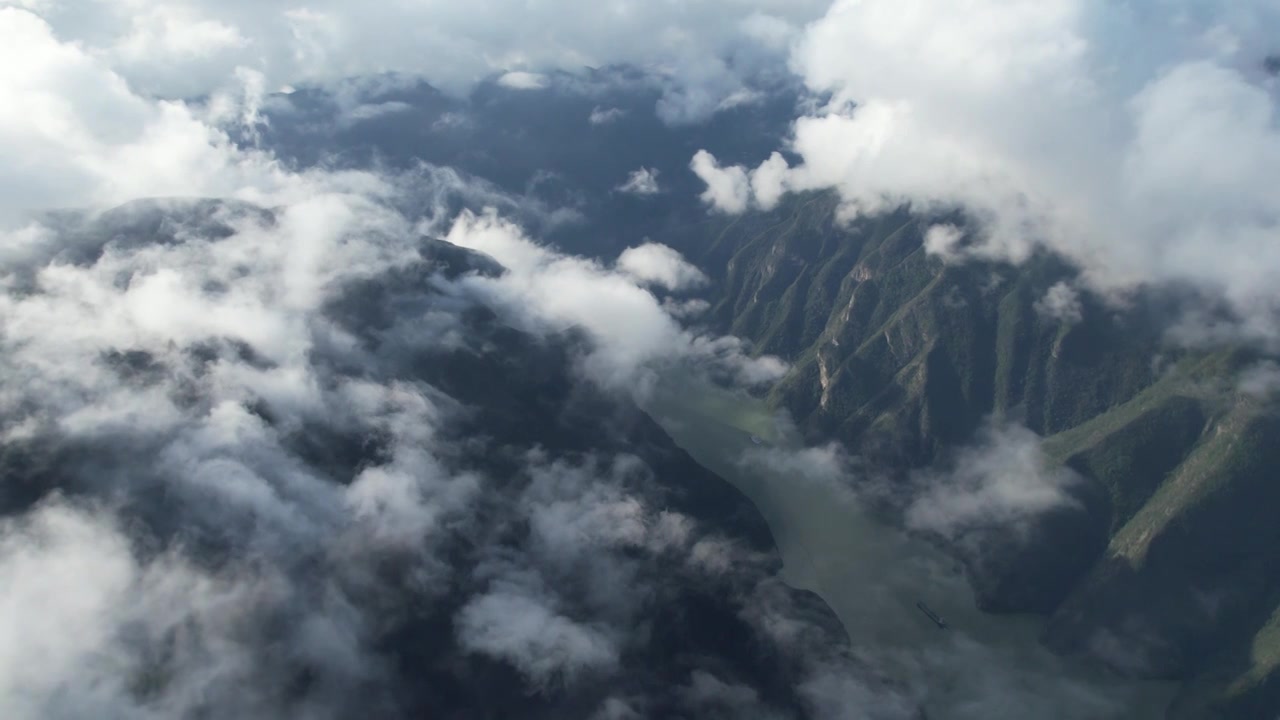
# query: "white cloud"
{"type": "Point", "coordinates": [204, 357]}
{"type": "Point", "coordinates": [685, 309]}
{"type": "Point", "coordinates": [1262, 379]}
{"type": "Point", "coordinates": [65, 580]}
{"type": "Point", "coordinates": [87, 624]}
{"type": "Point", "coordinates": [520, 80]}
{"type": "Point", "coordinates": [627, 324]}
{"type": "Point", "coordinates": [770, 30]}
{"type": "Point", "coordinates": [232, 318]}
{"type": "Point", "coordinates": [1139, 144]}
{"type": "Point", "coordinates": [740, 98]}
{"type": "Point", "coordinates": [701, 53]}
{"type": "Point", "coordinates": [641, 182]}
{"type": "Point", "coordinates": [657, 264]}
{"type": "Point", "coordinates": [728, 189]}
{"type": "Point", "coordinates": [74, 133]}
{"type": "Point", "coordinates": [1061, 302]}
{"type": "Point", "coordinates": [520, 624]}
{"type": "Point", "coordinates": [943, 241]}
{"type": "Point", "coordinates": [1003, 482]}
{"type": "Point", "coordinates": [65, 119]}
{"type": "Point", "coordinates": [826, 464]}
{"type": "Point", "coordinates": [769, 181]}
{"type": "Point", "coordinates": [369, 111]}
{"type": "Point", "coordinates": [245, 291]}
{"type": "Point", "coordinates": [406, 501]}
{"type": "Point", "coordinates": [577, 511]}
{"type": "Point", "coordinates": [605, 116]}
{"type": "Point", "coordinates": [165, 42]}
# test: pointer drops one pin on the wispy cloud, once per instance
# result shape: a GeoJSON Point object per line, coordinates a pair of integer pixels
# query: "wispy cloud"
{"type": "Point", "coordinates": [641, 182]}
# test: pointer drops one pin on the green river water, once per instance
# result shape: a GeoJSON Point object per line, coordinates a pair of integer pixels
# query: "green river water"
{"type": "Point", "coordinates": [986, 667]}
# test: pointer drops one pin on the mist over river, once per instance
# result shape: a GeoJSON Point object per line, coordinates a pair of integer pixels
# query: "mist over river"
{"type": "Point", "coordinates": [983, 667]}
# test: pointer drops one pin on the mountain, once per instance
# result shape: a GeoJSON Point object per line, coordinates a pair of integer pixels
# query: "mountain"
{"type": "Point", "coordinates": [1162, 558]}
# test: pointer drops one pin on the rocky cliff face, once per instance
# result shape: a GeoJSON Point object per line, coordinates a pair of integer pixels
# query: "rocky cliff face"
{"type": "Point", "coordinates": [1164, 559]}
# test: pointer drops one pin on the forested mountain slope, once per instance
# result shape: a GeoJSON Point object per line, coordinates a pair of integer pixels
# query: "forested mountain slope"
{"type": "Point", "coordinates": [1165, 561]}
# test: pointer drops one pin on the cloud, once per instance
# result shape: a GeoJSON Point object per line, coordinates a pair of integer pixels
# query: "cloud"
{"type": "Point", "coordinates": [248, 382]}
{"type": "Point", "coordinates": [740, 98]}
{"type": "Point", "coordinates": [1262, 379]}
{"type": "Point", "coordinates": [1061, 302]}
{"type": "Point", "coordinates": [1003, 482]}
{"type": "Point", "coordinates": [240, 487]}
{"type": "Point", "coordinates": [599, 558]}
{"type": "Point", "coordinates": [63, 576]}
{"type": "Point", "coordinates": [943, 241]}
{"type": "Point", "coordinates": [605, 116]}
{"type": "Point", "coordinates": [174, 32]}
{"type": "Point", "coordinates": [628, 327]}
{"type": "Point", "coordinates": [686, 309]}
{"type": "Point", "coordinates": [826, 464]}
{"type": "Point", "coordinates": [517, 624]}
{"type": "Point", "coordinates": [657, 264]}
{"type": "Point", "coordinates": [411, 496]}
{"type": "Point", "coordinates": [837, 694]}
{"type": "Point", "coordinates": [520, 80]}
{"type": "Point", "coordinates": [728, 189]}
{"type": "Point", "coordinates": [1141, 162]}
{"type": "Point", "coordinates": [370, 111]}
{"type": "Point", "coordinates": [769, 182]}
{"type": "Point", "coordinates": [712, 695]}
{"type": "Point", "coordinates": [641, 182]}
{"type": "Point", "coordinates": [91, 628]}
{"type": "Point", "coordinates": [177, 368]}
{"type": "Point", "coordinates": [733, 190]}
{"type": "Point", "coordinates": [274, 506]}
{"type": "Point", "coordinates": [289, 494]}
{"type": "Point", "coordinates": [700, 55]}
{"type": "Point", "coordinates": [82, 137]}
{"type": "Point", "coordinates": [616, 709]}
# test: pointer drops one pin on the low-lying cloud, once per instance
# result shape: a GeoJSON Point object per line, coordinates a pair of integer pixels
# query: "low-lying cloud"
{"type": "Point", "coordinates": [1061, 302]}
{"type": "Point", "coordinates": [1003, 483]}
{"type": "Point", "coordinates": [1053, 127]}
{"type": "Point", "coordinates": [640, 182]}
{"type": "Point", "coordinates": [236, 476]}
{"type": "Point", "coordinates": [661, 266]}
{"type": "Point", "coordinates": [628, 327]}
{"type": "Point", "coordinates": [728, 188]}
{"type": "Point", "coordinates": [704, 56]}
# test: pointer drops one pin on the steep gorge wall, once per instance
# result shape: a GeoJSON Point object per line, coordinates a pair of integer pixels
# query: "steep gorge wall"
{"type": "Point", "coordinates": [1168, 562]}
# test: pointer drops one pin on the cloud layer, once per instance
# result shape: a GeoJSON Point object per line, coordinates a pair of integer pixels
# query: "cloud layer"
{"type": "Point", "coordinates": [705, 54]}
{"type": "Point", "coordinates": [1138, 142]}
{"type": "Point", "coordinates": [266, 462]}
{"type": "Point", "coordinates": [1002, 483]}
{"type": "Point", "coordinates": [283, 453]}
{"type": "Point", "coordinates": [629, 328]}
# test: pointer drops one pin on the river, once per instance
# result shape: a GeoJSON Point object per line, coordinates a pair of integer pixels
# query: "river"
{"type": "Point", "coordinates": [987, 667]}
